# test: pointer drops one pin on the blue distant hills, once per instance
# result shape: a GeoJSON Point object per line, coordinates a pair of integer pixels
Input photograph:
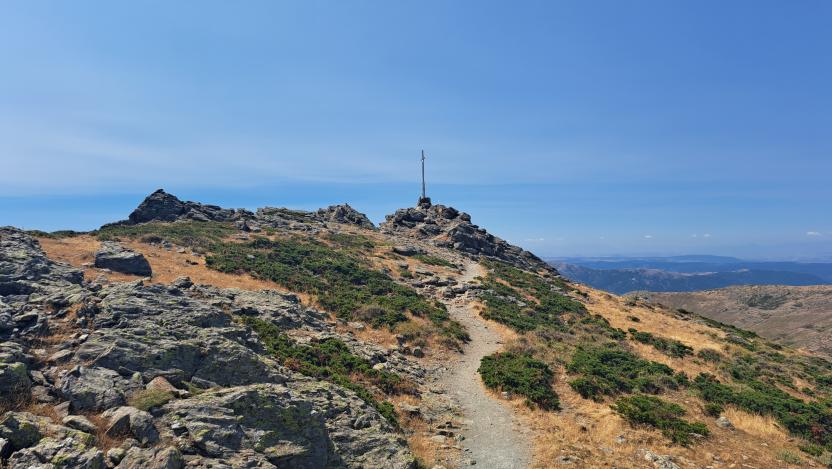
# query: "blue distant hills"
{"type": "Point", "coordinates": [688, 273]}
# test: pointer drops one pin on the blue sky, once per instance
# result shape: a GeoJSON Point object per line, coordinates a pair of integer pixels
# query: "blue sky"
{"type": "Point", "coordinates": [571, 128]}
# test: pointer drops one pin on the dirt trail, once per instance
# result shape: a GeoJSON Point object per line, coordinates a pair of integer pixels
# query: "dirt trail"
{"type": "Point", "coordinates": [493, 437]}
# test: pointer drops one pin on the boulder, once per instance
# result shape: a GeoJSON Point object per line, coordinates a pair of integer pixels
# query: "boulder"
{"type": "Point", "coordinates": [94, 388]}
{"type": "Point", "coordinates": [151, 458]}
{"type": "Point", "coordinates": [131, 421]}
{"type": "Point", "coordinates": [72, 451]}
{"type": "Point", "coordinates": [302, 424]}
{"type": "Point", "coordinates": [118, 258]}
{"type": "Point", "coordinates": [20, 430]}
{"type": "Point", "coordinates": [80, 423]}
{"type": "Point", "coordinates": [14, 382]}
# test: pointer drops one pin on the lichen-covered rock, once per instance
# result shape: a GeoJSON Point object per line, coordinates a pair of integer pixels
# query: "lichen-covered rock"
{"type": "Point", "coordinates": [112, 255]}
{"type": "Point", "coordinates": [156, 330]}
{"type": "Point", "coordinates": [71, 451]}
{"type": "Point", "coordinates": [20, 429]}
{"type": "Point", "coordinates": [15, 384]}
{"type": "Point", "coordinates": [94, 388]}
{"type": "Point", "coordinates": [131, 421]}
{"type": "Point", "coordinates": [303, 424]}
{"type": "Point", "coordinates": [448, 227]}
{"type": "Point", "coordinates": [152, 458]}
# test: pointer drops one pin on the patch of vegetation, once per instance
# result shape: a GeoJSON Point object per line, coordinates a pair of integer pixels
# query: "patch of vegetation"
{"type": "Point", "coordinates": [147, 399]}
{"type": "Point", "coordinates": [609, 370]}
{"type": "Point", "coordinates": [520, 374]}
{"type": "Point", "coordinates": [634, 318]}
{"type": "Point", "coordinates": [713, 409]}
{"type": "Point", "coordinates": [766, 301]}
{"type": "Point", "coordinates": [59, 234]}
{"type": "Point", "coordinates": [531, 301]}
{"type": "Point", "coordinates": [199, 235]}
{"type": "Point", "coordinates": [670, 347]}
{"type": "Point", "coordinates": [331, 360]}
{"type": "Point", "coordinates": [351, 241]}
{"type": "Point", "coordinates": [340, 281]}
{"type": "Point", "coordinates": [433, 260]}
{"type": "Point", "coordinates": [709, 355]}
{"type": "Point", "coordinates": [640, 409]}
{"type": "Point", "coordinates": [810, 420]}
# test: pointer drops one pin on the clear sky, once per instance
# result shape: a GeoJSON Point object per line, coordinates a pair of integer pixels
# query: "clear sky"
{"type": "Point", "coordinates": [571, 128]}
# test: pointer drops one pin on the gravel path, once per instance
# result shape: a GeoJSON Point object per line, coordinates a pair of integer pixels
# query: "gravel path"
{"type": "Point", "coordinates": [493, 438]}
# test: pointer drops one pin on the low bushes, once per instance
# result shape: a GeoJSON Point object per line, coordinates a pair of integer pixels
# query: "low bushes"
{"type": "Point", "coordinates": [341, 283]}
{"type": "Point", "coordinates": [670, 347]}
{"type": "Point", "coordinates": [522, 375]}
{"type": "Point", "coordinates": [810, 420]}
{"type": "Point", "coordinates": [199, 235]}
{"type": "Point", "coordinates": [433, 260]}
{"type": "Point", "coordinates": [330, 359]}
{"type": "Point", "coordinates": [609, 370]}
{"type": "Point", "coordinates": [640, 409]}
{"type": "Point", "coordinates": [529, 303]}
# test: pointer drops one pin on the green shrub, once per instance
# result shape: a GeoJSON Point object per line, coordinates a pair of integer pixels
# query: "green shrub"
{"type": "Point", "coordinates": [713, 409]}
{"type": "Point", "coordinates": [609, 370]}
{"type": "Point", "coordinates": [810, 420]}
{"type": "Point", "coordinates": [709, 355]}
{"type": "Point", "coordinates": [547, 309]}
{"type": "Point", "coordinates": [200, 235]}
{"type": "Point", "coordinates": [522, 375]}
{"type": "Point", "coordinates": [433, 260]}
{"type": "Point", "coordinates": [640, 409]}
{"type": "Point", "coordinates": [340, 281]}
{"type": "Point", "coordinates": [147, 399]}
{"type": "Point", "coordinates": [670, 347]}
{"type": "Point", "coordinates": [331, 360]}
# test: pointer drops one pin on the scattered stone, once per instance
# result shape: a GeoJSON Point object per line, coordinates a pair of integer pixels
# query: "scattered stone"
{"type": "Point", "coordinates": [406, 250]}
{"type": "Point", "coordinates": [132, 421]}
{"type": "Point", "coordinates": [115, 257]}
{"type": "Point", "coordinates": [723, 422]}
{"type": "Point", "coordinates": [20, 429]}
{"type": "Point", "coordinates": [79, 422]}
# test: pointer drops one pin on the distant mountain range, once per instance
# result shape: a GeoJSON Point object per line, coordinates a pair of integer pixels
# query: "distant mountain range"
{"type": "Point", "coordinates": [688, 273]}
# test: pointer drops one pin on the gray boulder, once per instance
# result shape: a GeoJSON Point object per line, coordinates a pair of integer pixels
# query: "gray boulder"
{"type": "Point", "coordinates": [303, 424]}
{"type": "Point", "coordinates": [118, 258]}
{"type": "Point", "coordinates": [94, 388]}
{"type": "Point", "coordinates": [152, 458]}
{"type": "Point", "coordinates": [131, 421]}
{"type": "Point", "coordinates": [20, 429]}
{"type": "Point", "coordinates": [72, 451]}
{"type": "Point", "coordinates": [14, 378]}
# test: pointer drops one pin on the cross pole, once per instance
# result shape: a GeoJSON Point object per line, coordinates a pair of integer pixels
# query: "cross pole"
{"type": "Point", "coordinates": [424, 196]}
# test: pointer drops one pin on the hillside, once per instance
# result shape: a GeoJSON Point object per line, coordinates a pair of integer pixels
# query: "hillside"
{"type": "Point", "coordinates": [797, 316]}
{"type": "Point", "coordinates": [683, 276]}
{"type": "Point", "coordinates": [190, 335]}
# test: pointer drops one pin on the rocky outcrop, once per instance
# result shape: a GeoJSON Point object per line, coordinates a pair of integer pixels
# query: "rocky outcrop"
{"type": "Point", "coordinates": [213, 394]}
{"type": "Point", "coordinates": [450, 228]}
{"type": "Point", "coordinates": [161, 206]}
{"type": "Point", "coordinates": [344, 214]}
{"type": "Point", "coordinates": [302, 424]}
{"type": "Point", "coordinates": [113, 256]}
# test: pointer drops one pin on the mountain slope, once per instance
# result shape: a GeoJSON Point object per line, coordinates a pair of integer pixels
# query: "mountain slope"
{"type": "Point", "coordinates": [797, 316]}
{"type": "Point", "coordinates": [311, 339]}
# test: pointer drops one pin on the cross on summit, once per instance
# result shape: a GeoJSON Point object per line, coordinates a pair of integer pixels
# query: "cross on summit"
{"type": "Point", "coordinates": [424, 200]}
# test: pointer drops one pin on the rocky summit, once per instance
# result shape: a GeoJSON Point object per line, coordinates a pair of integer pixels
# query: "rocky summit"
{"type": "Point", "coordinates": [448, 227]}
{"type": "Point", "coordinates": [195, 336]}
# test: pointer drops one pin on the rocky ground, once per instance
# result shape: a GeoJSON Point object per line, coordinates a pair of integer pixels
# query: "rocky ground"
{"type": "Point", "coordinates": [110, 357]}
